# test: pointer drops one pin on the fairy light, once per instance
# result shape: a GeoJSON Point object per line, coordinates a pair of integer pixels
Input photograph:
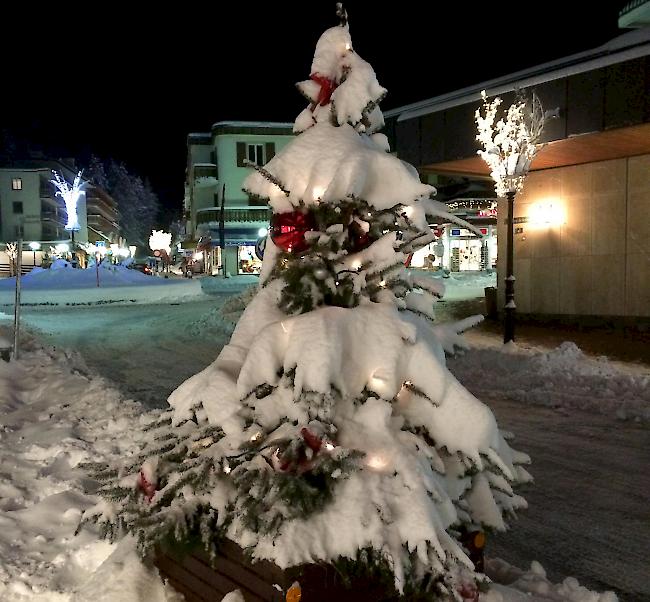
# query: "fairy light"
{"type": "Point", "coordinates": [356, 265]}
{"type": "Point", "coordinates": [376, 462]}
{"type": "Point", "coordinates": [408, 211]}
{"type": "Point", "coordinates": [382, 283]}
{"type": "Point", "coordinates": [348, 46]}
{"type": "Point", "coordinates": [318, 193]}
{"type": "Point", "coordinates": [329, 446]}
{"type": "Point", "coordinates": [226, 468]}
{"type": "Point", "coordinates": [256, 437]}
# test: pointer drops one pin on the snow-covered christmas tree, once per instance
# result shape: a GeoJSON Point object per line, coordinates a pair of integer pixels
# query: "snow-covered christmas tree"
{"type": "Point", "coordinates": [329, 429]}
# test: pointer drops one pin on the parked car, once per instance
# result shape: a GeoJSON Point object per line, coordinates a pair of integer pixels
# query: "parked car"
{"type": "Point", "coordinates": [141, 267]}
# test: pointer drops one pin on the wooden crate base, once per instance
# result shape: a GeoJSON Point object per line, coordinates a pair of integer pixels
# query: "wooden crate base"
{"type": "Point", "coordinates": [201, 580]}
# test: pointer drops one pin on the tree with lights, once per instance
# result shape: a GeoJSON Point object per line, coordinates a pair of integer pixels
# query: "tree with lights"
{"type": "Point", "coordinates": [70, 196]}
{"type": "Point", "coordinates": [329, 429]}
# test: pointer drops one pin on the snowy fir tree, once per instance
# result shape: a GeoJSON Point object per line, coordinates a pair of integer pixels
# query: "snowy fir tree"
{"type": "Point", "coordinates": [329, 429]}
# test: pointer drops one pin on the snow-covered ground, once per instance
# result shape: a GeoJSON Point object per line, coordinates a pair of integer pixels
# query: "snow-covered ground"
{"type": "Point", "coordinates": [589, 450]}
{"type": "Point", "coordinates": [56, 415]}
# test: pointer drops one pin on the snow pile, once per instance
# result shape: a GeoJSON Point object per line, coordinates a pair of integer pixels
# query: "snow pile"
{"type": "Point", "coordinates": [62, 275]}
{"type": "Point", "coordinates": [563, 377]}
{"type": "Point", "coordinates": [216, 285]}
{"type": "Point", "coordinates": [515, 585]}
{"type": "Point", "coordinates": [54, 417]}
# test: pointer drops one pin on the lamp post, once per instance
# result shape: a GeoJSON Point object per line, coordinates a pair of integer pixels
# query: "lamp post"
{"type": "Point", "coordinates": [34, 246]}
{"type": "Point", "coordinates": [509, 147]}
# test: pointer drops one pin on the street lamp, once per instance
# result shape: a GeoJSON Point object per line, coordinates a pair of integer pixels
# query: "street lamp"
{"type": "Point", "coordinates": [34, 246]}
{"type": "Point", "coordinates": [509, 147]}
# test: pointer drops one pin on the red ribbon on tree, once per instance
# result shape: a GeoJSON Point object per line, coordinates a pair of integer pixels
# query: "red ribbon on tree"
{"type": "Point", "coordinates": [327, 86]}
{"type": "Point", "coordinates": [146, 486]}
{"type": "Point", "coordinates": [288, 230]}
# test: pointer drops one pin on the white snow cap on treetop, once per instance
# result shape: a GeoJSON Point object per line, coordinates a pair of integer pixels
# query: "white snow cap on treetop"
{"type": "Point", "coordinates": [331, 48]}
{"type": "Point", "coordinates": [342, 85]}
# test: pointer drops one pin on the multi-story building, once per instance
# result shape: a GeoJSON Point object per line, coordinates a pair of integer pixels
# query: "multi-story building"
{"type": "Point", "coordinates": [30, 209]}
{"type": "Point", "coordinates": [223, 224]}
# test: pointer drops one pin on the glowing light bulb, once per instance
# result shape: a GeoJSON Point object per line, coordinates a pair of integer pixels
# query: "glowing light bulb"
{"type": "Point", "coordinates": [256, 436]}
{"type": "Point", "coordinates": [318, 193]}
{"type": "Point", "coordinates": [382, 283]}
{"type": "Point", "coordinates": [329, 446]}
{"type": "Point", "coordinates": [376, 462]}
{"type": "Point", "coordinates": [226, 468]}
{"type": "Point", "coordinates": [348, 46]}
{"type": "Point", "coordinates": [356, 265]}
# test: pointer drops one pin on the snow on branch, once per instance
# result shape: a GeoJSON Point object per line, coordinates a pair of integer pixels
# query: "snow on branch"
{"type": "Point", "coordinates": [510, 144]}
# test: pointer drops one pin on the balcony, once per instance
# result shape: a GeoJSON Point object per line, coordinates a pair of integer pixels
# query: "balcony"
{"type": "Point", "coordinates": [243, 215]}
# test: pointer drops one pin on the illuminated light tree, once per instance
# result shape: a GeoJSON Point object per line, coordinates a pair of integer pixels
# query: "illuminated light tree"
{"type": "Point", "coordinates": [70, 196]}
{"type": "Point", "coordinates": [509, 147]}
{"type": "Point", "coordinates": [329, 429]}
{"type": "Point", "coordinates": [12, 252]}
{"type": "Point", "coordinates": [160, 242]}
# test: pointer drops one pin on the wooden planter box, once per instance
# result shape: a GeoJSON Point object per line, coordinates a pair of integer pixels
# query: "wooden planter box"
{"type": "Point", "coordinates": [199, 580]}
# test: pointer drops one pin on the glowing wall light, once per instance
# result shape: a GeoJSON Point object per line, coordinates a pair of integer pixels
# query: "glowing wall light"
{"type": "Point", "coordinates": [547, 213]}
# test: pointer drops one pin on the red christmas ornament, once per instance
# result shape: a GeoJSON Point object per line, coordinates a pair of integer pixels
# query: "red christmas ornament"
{"type": "Point", "coordinates": [146, 486]}
{"type": "Point", "coordinates": [468, 592]}
{"type": "Point", "coordinates": [359, 239]}
{"type": "Point", "coordinates": [327, 86]}
{"type": "Point", "coordinates": [313, 441]}
{"type": "Point", "coordinates": [288, 230]}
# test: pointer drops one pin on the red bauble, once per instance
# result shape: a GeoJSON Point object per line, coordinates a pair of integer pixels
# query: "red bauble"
{"type": "Point", "coordinates": [359, 239]}
{"type": "Point", "coordinates": [288, 230]}
{"type": "Point", "coordinates": [327, 86]}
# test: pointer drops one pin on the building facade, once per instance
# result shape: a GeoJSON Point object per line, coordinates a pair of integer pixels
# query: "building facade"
{"type": "Point", "coordinates": [223, 226]}
{"type": "Point", "coordinates": [31, 210]}
{"type": "Point", "coordinates": [582, 222]}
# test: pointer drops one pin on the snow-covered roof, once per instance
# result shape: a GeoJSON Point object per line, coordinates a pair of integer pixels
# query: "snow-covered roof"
{"type": "Point", "coordinates": [625, 47]}
{"type": "Point", "coordinates": [253, 124]}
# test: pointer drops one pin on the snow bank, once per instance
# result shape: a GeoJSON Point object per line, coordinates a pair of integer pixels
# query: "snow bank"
{"type": "Point", "coordinates": [55, 416]}
{"type": "Point", "coordinates": [563, 377]}
{"type": "Point", "coordinates": [117, 284]}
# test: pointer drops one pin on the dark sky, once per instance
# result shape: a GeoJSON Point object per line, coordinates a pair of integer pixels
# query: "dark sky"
{"type": "Point", "coordinates": [127, 82]}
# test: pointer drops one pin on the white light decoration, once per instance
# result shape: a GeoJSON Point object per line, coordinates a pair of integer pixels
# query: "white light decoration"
{"type": "Point", "coordinates": [34, 246]}
{"type": "Point", "coordinates": [12, 250]}
{"type": "Point", "coordinates": [70, 196]}
{"type": "Point", "coordinates": [547, 213]}
{"type": "Point", "coordinates": [114, 248]}
{"type": "Point", "coordinates": [132, 249]}
{"type": "Point", "coordinates": [198, 256]}
{"type": "Point", "coordinates": [510, 144]}
{"type": "Point", "coordinates": [318, 193]}
{"type": "Point", "coordinates": [262, 232]}
{"type": "Point", "coordinates": [376, 462]}
{"type": "Point", "coordinates": [329, 446]}
{"type": "Point", "coordinates": [160, 240]}
{"type": "Point", "coordinates": [62, 248]}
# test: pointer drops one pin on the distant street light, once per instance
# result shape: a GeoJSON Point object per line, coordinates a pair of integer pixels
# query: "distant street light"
{"type": "Point", "coordinates": [34, 246]}
{"type": "Point", "coordinates": [509, 146]}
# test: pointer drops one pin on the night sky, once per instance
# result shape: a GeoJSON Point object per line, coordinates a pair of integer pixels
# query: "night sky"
{"type": "Point", "coordinates": [129, 83]}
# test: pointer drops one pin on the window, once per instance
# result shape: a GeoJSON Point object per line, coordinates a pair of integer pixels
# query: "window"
{"type": "Point", "coordinates": [17, 184]}
{"type": "Point", "coordinates": [18, 206]}
{"type": "Point", "coordinates": [255, 153]}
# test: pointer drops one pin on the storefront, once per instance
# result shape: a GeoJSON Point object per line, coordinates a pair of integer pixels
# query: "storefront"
{"type": "Point", "coordinates": [459, 250]}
